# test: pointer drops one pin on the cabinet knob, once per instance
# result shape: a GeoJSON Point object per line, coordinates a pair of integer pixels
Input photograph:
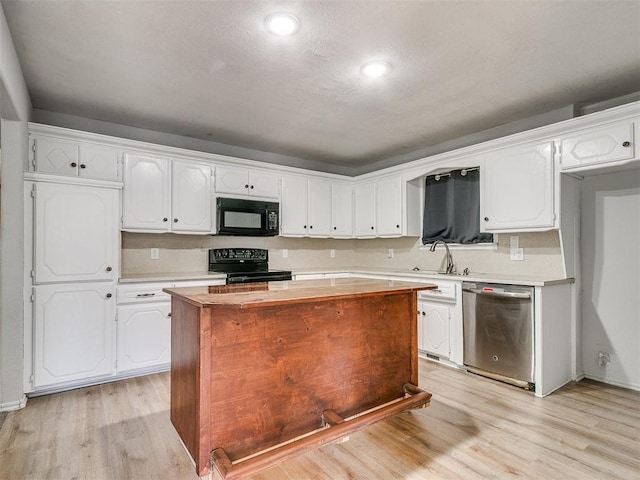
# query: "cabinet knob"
{"type": "Point", "coordinates": [246, 186]}
{"type": "Point", "coordinates": [422, 313]}
{"type": "Point", "coordinates": [108, 269]}
{"type": "Point", "coordinates": [74, 164]}
{"type": "Point", "coordinates": [169, 314]}
{"type": "Point", "coordinates": [175, 220]}
{"type": "Point", "coordinates": [310, 227]}
{"type": "Point", "coordinates": [371, 228]}
{"type": "Point", "coordinates": [82, 165]}
{"type": "Point", "coordinates": [626, 144]}
{"type": "Point", "coordinates": [165, 219]}
{"type": "Point", "coordinates": [486, 219]}
{"type": "Point", "coordinates": [335, 228]}
{"type": "Point", "coordinates": [109, 295]}
{"type": "Point", "coordinates": [304, 226]}
{"type": "Point", "coordinates": [397, 226]}
{"type": "Point", "coordinates": [251, 187]}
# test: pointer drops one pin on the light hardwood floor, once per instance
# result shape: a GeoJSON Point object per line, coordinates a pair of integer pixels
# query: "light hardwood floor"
{"type": "Point", "coordinates": [475, 428]}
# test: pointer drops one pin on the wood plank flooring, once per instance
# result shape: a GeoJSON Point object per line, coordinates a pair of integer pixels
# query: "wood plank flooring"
{"type": "Point", "coordinates": [476, 428]}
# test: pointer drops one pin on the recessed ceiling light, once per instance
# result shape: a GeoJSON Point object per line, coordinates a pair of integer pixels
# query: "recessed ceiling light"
{"type": "Point", "coordinates": [375, 69]}
{"type": "Point", "coordinates": [282, 23]}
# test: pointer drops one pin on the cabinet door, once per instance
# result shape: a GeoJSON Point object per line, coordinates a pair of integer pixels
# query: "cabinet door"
{"type": "Point", "coordinates": [598, 145]}
{"type": "Point", "coordinates": [293, 207]}
{"type": "Point", "coordinates": [365, 221]}
{"type": "Point", "coordinates": [76, 233]}
{"type": "Point", "coordinates": [56, 156]}
{"type": "Point", "coordinates": [389, 207]}
{"type": "Point", "coordinates": [144, 336]}
{"type": "Point", "coordinates": [73, 332]}
{"type": "Point", "coordinates": [99, 163]}
{"type": "Point", "coordinates": [319, 220]}
{"type": "Point", "coordinates": [341, 210]}
{"type": "Point", "coordinates": [435, 328]}
{"type": "Point", "coordinates": [264, 184]}
{"type": "Point", "coordinates": [232, 180]}
{"type": "Point", "coordinates": [517, 189]}
{"type": "Point", "coordinates": [146, 197]}
{"type": "Point", "coordinates": [191, 198]}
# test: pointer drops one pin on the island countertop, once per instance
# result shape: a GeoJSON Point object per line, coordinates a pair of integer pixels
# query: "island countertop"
{"type": "Point", "coordinates": [273, 293]}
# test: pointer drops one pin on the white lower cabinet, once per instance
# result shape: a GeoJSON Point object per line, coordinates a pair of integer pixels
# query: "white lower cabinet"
{"type": "Point", "coordinates": [144, 336]}
{"type": "Point", "coordinates": [73, 333]}
{"type": "Point", "coordinates": [434, 328]}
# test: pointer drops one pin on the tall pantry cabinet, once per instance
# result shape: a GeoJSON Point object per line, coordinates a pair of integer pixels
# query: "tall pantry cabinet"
{"type": "Point", "coordinates": [75, 254]}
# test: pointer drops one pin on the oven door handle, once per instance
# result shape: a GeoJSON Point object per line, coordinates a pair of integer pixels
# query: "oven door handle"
{"type": "Point", "coordinates": [252, 279]}
{"type": "Point", "coordinates": [479, 291]}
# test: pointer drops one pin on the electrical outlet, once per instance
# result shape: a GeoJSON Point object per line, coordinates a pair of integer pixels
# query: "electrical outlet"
{"type": "Point", "coordinates": [155, 253]}
{"type": "Point", "coordinates": [285, 253]}
{"type": "Point", "coordinates": [332, 253]}
{"type": "Point", "coordinates": [517, 254]}
{"type": "Point", "coordinates": [390, 253]}
{"type": "Point", "coordinates": [603, 359]}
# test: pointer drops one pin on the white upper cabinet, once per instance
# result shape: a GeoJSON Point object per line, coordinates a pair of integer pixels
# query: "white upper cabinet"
{"type": "Point", "coordinates": [73, 332]}
{"type": "Point", "coordinates": [319, 208]}
{"type": "Point", "coordinates": [76, 233]}
{"type": "Point", "coordinates": [341, 210]}
{"type": "Point", "coordinates": [191, 198]}
{"type": "Point", "coordinates": [71, 158]}
{"type": "Point", "coordinates": [517, 189]}
{"type": "Point", "coordinates": [242, 181]}
{"type": "Point", "coordinates": [293, 206]}
{"type": "Point", "coordinates": [598, 146]}
{"type": "Point", "coordinates": [389, 207]}
{"type": "Point", "coordinates": [306, 207]}
{"type": "Point", "coordinates": [365, 210]}
{"type": "Point", "coordinates": [160, 195]}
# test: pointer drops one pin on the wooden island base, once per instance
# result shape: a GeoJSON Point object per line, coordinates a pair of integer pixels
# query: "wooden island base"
{"type": "Point", "coordinates": [260, 376]}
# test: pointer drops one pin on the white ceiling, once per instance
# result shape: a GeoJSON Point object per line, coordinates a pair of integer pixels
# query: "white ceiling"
{"type": "Point", "coordinates": [209, 70]}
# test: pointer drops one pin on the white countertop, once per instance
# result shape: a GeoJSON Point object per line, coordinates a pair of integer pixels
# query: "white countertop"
{"type": "Point", "coordinates": [511, 279]}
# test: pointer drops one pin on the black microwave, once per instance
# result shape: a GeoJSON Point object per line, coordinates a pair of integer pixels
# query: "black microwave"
{"type": "Point", "coordinates": [251, 218]}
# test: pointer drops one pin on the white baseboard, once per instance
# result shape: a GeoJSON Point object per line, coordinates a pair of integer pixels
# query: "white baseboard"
{"type": "Point", "coordinates": [17, 405]}
{"type": "Point", "coordinates": [613, 382]}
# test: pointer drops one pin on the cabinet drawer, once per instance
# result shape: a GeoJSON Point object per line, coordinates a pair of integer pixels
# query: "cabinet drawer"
{"type": "Point", "coordinates": [446, 291]}
{"type": "Point", "coordinates": [609, 143]}
{"type": "Point", "coordinates": [142, 293]}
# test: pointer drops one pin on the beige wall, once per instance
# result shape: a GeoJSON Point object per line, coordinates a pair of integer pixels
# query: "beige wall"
{"type": "Point", "coordinates": [185, 253]}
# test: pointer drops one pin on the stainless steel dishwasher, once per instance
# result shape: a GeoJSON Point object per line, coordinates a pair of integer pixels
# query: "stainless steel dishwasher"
{"type": "Point", "coordinates": [498, 332]}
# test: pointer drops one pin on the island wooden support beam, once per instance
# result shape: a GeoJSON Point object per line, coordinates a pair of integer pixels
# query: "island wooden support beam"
{"type": "Point", "coordinates": [226, 470]}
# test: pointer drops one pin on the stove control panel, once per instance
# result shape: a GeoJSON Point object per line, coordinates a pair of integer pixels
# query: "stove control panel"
{"type": "Point", "coordinates": [238, 255]}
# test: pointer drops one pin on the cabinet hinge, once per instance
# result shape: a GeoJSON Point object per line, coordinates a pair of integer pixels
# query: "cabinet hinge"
{"type": "Point", "coordinates": [31, 379]}
{"type": "Point", "coordinates": [32, 298]}
{"type": "Point", "coordinates": [33, 274]}
{"type": "Point", "coordinates": [33, 155]}
{"type": "Point", "coordinates": [33, 191]}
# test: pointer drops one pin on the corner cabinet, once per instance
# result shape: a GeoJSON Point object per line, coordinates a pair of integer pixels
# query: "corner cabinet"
{"type": "Point", "coordinates": [518, 189]}
{"type": "Point", "coordinates": [162, 195]}
{"type": "Point", "coordinates": [389, 207]}
{"type": "Point", "coordinates": [315, 207]}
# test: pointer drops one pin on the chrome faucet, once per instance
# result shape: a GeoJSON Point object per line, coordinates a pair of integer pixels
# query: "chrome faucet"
{"type": "Point", "coordinates": [450, 265]}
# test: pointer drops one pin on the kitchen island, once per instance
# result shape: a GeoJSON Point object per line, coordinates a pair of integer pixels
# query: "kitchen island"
{"type": "Point", "coordinates": [262, 374]}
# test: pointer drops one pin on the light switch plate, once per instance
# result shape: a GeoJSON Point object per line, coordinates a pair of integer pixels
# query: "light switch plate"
{"type": "Point", "coordinates": [332, 253]}
{"type": "Point", "coordinates": [155, 253]}
{"type": "Point", "coordinates": [390, 253]}
{"type": "Point", "coordinates": [285, 253]}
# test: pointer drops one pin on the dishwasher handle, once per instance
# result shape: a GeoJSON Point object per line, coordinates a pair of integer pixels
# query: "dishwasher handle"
{"type": "Point", "coordinates": [480, 291]}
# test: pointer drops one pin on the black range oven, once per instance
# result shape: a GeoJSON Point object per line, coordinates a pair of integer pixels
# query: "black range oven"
{"type": "Point", "coordinates": [245, 265]}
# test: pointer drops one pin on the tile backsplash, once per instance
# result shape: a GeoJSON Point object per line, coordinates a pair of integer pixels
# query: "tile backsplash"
{"type": "Point", "coordinates": [189, 253]}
